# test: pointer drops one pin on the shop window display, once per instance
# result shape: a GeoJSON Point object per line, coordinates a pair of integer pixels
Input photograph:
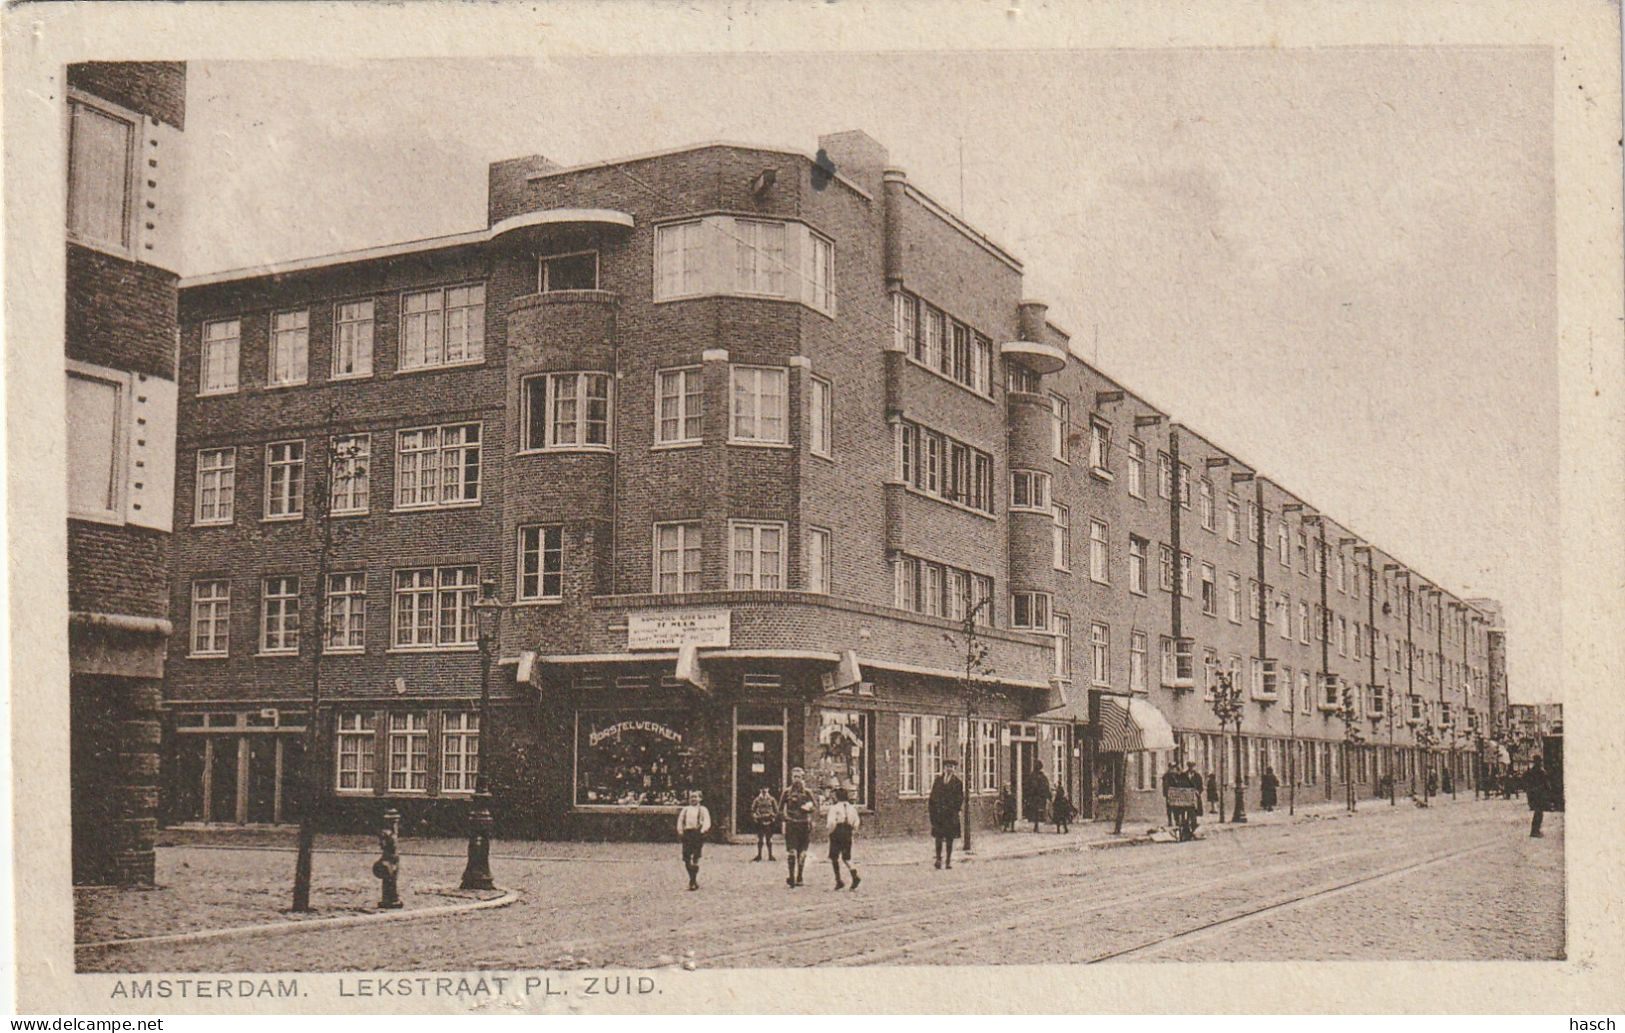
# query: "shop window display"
{"type": "Point", "coordinates": [633, 759]}
{"type": "Point", "coordinates": [845, 752]}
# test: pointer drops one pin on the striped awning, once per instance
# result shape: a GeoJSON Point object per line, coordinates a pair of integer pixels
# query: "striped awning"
{"type": "Point", "coordinates": [1127, 725]}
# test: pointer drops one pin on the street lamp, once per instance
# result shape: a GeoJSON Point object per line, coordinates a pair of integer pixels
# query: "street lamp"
{"type": "Point", "coordinates": [1227, 708]}
{"type": "Point", "coordinates": [477, 872]}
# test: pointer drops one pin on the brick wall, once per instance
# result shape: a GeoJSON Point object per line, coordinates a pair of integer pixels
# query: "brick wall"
{"type": "Point", "coordinates": [155, 88]}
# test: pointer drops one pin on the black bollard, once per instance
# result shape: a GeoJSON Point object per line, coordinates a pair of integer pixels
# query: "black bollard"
{"type": "Point", "coordinates": [387, 869]}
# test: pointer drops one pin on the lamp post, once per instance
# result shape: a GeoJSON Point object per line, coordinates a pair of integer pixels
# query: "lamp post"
{"type": "Point", "coordinates": [1426, 739]}
{"type": "Point", "coordinates": [477, 872]}
{"type": "Point", "coordinates": [1227, 708]}
{"type": "Point", "coordinates": [1388, 705]}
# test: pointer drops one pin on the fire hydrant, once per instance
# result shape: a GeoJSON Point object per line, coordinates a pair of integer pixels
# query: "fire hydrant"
{"type": "Point", "coordinates": [1240, 810]}
{"type": "Point", "coordinates": [387, 868]}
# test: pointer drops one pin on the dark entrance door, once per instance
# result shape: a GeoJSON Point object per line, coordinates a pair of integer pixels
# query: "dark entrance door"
{"type": "Point", "coordinates": [758, 762]}
{"type": "Point", "coordinates": [223, 779]}
{"type": "Point", "coordinates": [262, 781]}
{"type": "Point", "coordinates": [293, 761]}
{"type": "Point", "coordinates": [188, 778]}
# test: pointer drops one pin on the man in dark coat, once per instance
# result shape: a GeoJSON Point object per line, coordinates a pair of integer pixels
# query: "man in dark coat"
{"type": "Point", "coordinates": [1535, 788]}
{"type": "Point", "coordinates": [1037, 795]}
{"type": "Point", "coordinates": [1268, 785]}
{"type": "Point", "coordinates": [1212, 793]}
{"type": "Point", "coordinates": [946, 801]}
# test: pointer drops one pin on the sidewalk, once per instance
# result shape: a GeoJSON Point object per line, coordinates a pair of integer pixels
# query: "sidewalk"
{"type": "Point", "coordinates": [987, 844]}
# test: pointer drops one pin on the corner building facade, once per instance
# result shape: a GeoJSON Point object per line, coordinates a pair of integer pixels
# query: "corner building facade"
{"type": "Point", "coordinates": [724, 445]}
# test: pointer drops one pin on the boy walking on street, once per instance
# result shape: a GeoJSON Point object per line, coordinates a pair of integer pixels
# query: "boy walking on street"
{"type": "Point", "coordinates": [693, 822]}
{"type": "Point", "coordinates": [796, 806]}
{"type": "Point", "coordinates": [842, 824]}
{"type": "Point", "coordinates": [764, 811]}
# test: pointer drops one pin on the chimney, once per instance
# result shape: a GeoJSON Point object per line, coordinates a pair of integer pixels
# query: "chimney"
{"type": "Point", "coordinates": [857, 156]}
{"type": "Point", "coordinates": [507, 191]}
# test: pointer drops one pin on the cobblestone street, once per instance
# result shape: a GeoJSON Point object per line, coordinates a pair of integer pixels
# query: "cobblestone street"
{"type": "Point", "coordinates": [1456, 881]}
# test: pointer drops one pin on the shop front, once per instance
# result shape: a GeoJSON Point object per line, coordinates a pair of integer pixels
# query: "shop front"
{"type": "Point", "coordinates": [235, 767]}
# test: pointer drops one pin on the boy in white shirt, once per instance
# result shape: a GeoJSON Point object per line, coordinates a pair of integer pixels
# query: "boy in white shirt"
{"type": "Point", "coordinates": [693, 822]}
{"type": "Point", "coordinates": [842, 823]}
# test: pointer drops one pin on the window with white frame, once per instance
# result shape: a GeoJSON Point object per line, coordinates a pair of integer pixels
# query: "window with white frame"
{"type": "Point", "coordinates": [1137, 643]}
{"type": "Point", "coordinates": [1303, 622]}
{"type": "Point", "coordinates": [352, 339]}
{"type": "Point", "coordinates": [756, 560]}
{"type": "Point", "coordinates": [820, 416]}
{"type": "Point", "coordinates": [1232, 518]}
{"type": "Point", "coordinates": [279, 614]}
{"type": "Point", "coordinates": [1100, 653]}
{"type": "Point", "coordinates": [941, 466]}
{"type": "Point", "coordinates": [1029, 490]}
{"type": "Point", "coordinates": [1304, 695]}
{"type": "Point", "coordinates": [677, 558]}
{"type": "Point", "coordinates": [211, 617]}
{"type": "Point", "coordinates": [816, 575]}
{"type": "Point", "coordinates": [819, 275]}
{"type": "Point", "coordinates": [1030, 611]}
{"type": "Point", "coordinates": [1165, 475]}
{"type": "Point", "coordinates": [1283, 544]}
{"type": "Point", "coordinates": [1100, 446]}
{"type": "Point", "coordinates": [1061, 535]}
{"type": "Point", "coordinates": [934, 328]}
{"type": "Point", "coordinates": [758, 404]}
{"type": "Point", "coordinates": [1210, 671]}
{"type": "Point", "coordinates": [437, 466]}
{"type": "Point", "coordinates": [350, 478]}
{"type": "Point", "coordinates": [289, 361]}
{"type": "Point", "coordinates": [408, 752]}
{"type": "Point", "coordinates": [1136, 468]}
{"type": "Point", "coordinates": [1254, 599]}
{"type": "Point", "coordinates": [284, 480]}
{"type": "Point", "coordinates": [1136, 563]}
{"type": "Point", "coordinates": [1185, 574]}
{"type": "Point", "coordinates": [987, 757]}
{"type": "Point", "coordinates": [216, 491]}
{"type": "Point", "coordinates": [1018, 379]}
{"type": "Point", "coordinates": [679, 406]}
{"type": "Point", "coordinates": [434, 607]}
{"type": "Point", "coordinates": [566, 410]}
{"type": "Point", "coordinates": [957, 602]}
{"type": "Point", "coordinates": [217, 372]}
{"type": "Point", "coordinates": [759, 257]}
{"type": "Point", "coordinates": [345, 627]}
{"type": "Point", "coordinates": [1059, 416]}
{"type": "Point", "coordinates": [1210, 590]}
{"type": "Point", "coordinates": [357, 738]}
{"type": "Point", "coordinates": [459, 751]}
{"type": "Point", "coordinates": [541, 562]}
{"type": "Point", "coordinates": [680, 252]}
{"type": "Point", "coordinates": [1233, 597]}
{"type": "Point", "coordinates": [1283, 615]}
{"type": "Point", "coordinates": [1204, 492]}
{"type": "Point", "coordinates": [909, 729]}
{"type": "Point", "coordinates": [1099, 555]}
{"type": "Point", "coordinates": [101, 176]}
{"type": "Point", "coordinates": [571, 271]}
{"type": "Point", "coordinates": [443, 327]}
{"type": "Point", "coordinates": [1165, 567]}
{"type": "Point", "coordinates": [1170, 665]}
{"type": "Point", "coordinates": [1063, 645]}
{"type": "Point", "coordinates": [1185, 485]}
{"type": "Point", "coordinates": [981, 598]}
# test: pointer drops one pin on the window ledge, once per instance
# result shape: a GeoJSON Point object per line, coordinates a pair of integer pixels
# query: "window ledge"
{"type": "Point", "coordinates": [276, 653]}
{"type": "Point", "coordinates": [436, 507]}
{"type": "Point", "coordinates": [288, 519]}
{"type": "Point", "coordinates": [566, 449]}
{"type": "Point", "coordinates": [674, 446]}
{"type": "Point", "coordinates": [284, 387]}
{"type": "Point", "coordinates": [218, 392]}
{"type": "Point", "coordinates": [338, 513]}
{"type": "Point", "coordinates": [421, 650]}
{"type": "Point", "coordinates": [1100, 473]}
{"type": "Point", "coordinates": [208, 656]}
{"type": "Point", "coordinates": [347, 651]}
{"type": "Point", "coordinates": [335, 377]}
{"type": "Point", "coordinates": [405, 371]}
{"type": "Point", "coordinates": [539, 602]}
{"type": "Point", "coordinates": [744, 443]}
{"type": "Point", "coordinates": [212, 523]}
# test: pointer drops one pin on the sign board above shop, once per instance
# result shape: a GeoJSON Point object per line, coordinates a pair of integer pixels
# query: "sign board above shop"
{"type": "Point", "coordinates": [672, 629]}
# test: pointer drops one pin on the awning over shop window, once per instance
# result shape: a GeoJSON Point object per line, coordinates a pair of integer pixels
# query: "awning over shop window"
{"type": "Point", "coordinates": [1127, 725]}
{"type": "Point", "coordinates": [1067, 704]}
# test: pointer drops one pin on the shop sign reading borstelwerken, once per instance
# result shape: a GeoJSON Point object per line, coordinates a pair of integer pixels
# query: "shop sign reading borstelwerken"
{"type": "Point", "coordinates": [673, 629]}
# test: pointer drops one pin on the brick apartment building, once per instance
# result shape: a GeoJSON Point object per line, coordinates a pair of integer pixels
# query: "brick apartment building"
{"type": "Point", "coordinates": [124, 123]}
{"type": "Point", "coordinates": [738, 440]}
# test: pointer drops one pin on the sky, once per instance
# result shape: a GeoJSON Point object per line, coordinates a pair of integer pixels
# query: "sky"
{"type": "Point", "coordinates": [1337, 262]}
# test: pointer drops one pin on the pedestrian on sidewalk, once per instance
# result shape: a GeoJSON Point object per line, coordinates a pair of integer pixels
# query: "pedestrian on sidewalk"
{"type": "Point", "coordinates": [1535, 788]}
{"type": "Point", "coordinates": [1172, 779]}
{"type": "Point", "coordinates": [1037, 794]}
{"type": "Point", "coordinates": [1007, 808]}
{"type": "Point", "coordinates": [842, 824]}
{"type": "Point", "coordinates": [693, 822]}
{"type": "Point", "coordinates": [764, 812]}
{"type": "Point", "coordinates": [796, 806]}
{"type": "Point", "coordinates": [1193, 779]}
{"type": "Point", "coordinates": [946, 801]}
{"type": "Point", "coordinates": [1268, 784]}
{"type": "Point", "coordinates": [1212, 794]}
{"type": "Point", "coordinates": [1061, 811]}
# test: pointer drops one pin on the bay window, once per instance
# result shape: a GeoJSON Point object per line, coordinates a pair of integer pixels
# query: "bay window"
{"type": "Point", "coordinates": [566, 410]}
{"type": "Point", "coordinates": [679, 406]}
{"type": "Point", "coordinates": [677, 558]}
{"type": "Point", "coordinates": [756, 560]}
{"type": "Point", "coordinates": [758, 404]}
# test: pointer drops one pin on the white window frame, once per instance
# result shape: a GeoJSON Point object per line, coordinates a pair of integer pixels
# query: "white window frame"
{"type": "Point", "coordinates": [354, 324]}
{"type": "Point", "coordinates": [1059, 416]}
{"type": "Point", "coordinates": [211, 618]}
{"type": "Point", "coordinates": [408, 739]}
{"type": "Point", "coordinates": [1137, 557]}
{"type": "Point", "coordinates": [459, 740]}
{"type": "Point", "coordinates": [1207, 504]}
{"type": "Point", "coordinates": [532, 563]}
{"type": "Point", "coordinates": [1061, 535]}
{"type": "Point", "coordinates": [1038, 606]}
{"type": "Point", "coordinates": [289, 346]}
{"type": "Point", "coordinates": [1232, 518]}
{"type": "Point", "coordinates": [344, 627]}
{"type": "Point", "coordinates": [820, 417]}
{"type": "Point", "coordinates": [1100, 447]}
{"type": "Point", "coordinates": [118, 448]}
{"type": "Point", "coordinates": [909, 733]}
{"type": "Point", "coordinates": [1100, 566]}
{"type": "Point", "coordinates": [231, 346]}
{"type": "Point", "coordinates": [440, 589]}
{"type": "Point", "coordinates": [222, 479]}
{"type": "Point", "coordinates": [1136, 468]}
{"type": "Point", "coordinates": [561, 389]}
{"type": "Point", "coordinates": [1233, 597]}
{"type": "Point", "coordinates": [1210, 590]}
{"type": "Point", "coordinates": [1138, 649]}
{"type": "Point", "coordinates": [1036, 491]}
{"type": "Point", "coordinates": [760, 269]}
{"type": "Point", "coordinates": [757, 578]}
{"type": "Point", "coordinates": [129, 219]}
{"type": "Point", "coordinates": [688, 580]}
{"type": "Point", "coordinates": [279, 615]}
{"type": "Point", "coordinates": [816, 572]}
{"type": "Point", "coordinates": [350, 475]}
{"type": "Point", "coordinates": [685, 243]}
{"type": "Point", "coordinates": [455, 452]}
{"type": "Point", "coordinates": [1063, 645]}
{"type": "Point", "coordinates": [356, 741]}
{"type": "Point", "coordinates": [819, 276]}
{"type": "Point", "coordinates": [1100, 653]}
{"type": "Point", "coordinates": [542, 275]}
{"type": "Point", "coordinates": [752, 427]}
{"type": "Point", "coordinates": [291, 500]}
{"type": "Point", "coordinates": [688, 401]}
{"type": "Point", "coordinates": [435, 352]}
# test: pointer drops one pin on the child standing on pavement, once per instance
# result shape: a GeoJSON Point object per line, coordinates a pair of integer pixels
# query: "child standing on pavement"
{"type": "Point", "coordinates": [693, 822]}
{"type": "Point", "coordinates": [842, 824]}
{"type": "Point", "coordinates": [764, 811]}
{"type": "Point", "coordinates": [1061, 810]}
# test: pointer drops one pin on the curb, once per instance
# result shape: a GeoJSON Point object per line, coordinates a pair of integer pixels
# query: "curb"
{"type": "Point", "coordinates": [293, 926]}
